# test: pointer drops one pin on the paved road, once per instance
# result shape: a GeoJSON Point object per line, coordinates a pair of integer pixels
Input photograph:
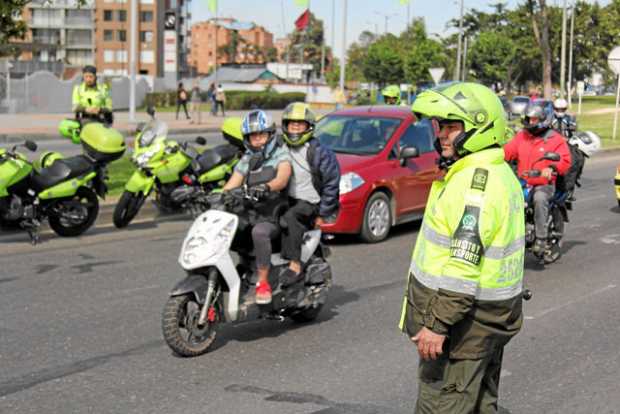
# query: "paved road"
{"type": "Point", "coordinates": [80, 328]}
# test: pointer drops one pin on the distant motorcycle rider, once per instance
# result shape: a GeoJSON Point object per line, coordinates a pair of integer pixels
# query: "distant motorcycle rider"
{"type": "Point", "coordinates": [391, 95]}
{"type": "Point", "coordinates": [563, 122]}
{"type": "Point", "coordinates": [91, 99]}
{"type": "Point", "coordinates": [527, 147]}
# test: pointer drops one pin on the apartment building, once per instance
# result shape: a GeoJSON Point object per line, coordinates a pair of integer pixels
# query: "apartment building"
{"type": "Point", "coordinates": [59, 32]}
{"type": "Point", "coordinates": [253, 43]}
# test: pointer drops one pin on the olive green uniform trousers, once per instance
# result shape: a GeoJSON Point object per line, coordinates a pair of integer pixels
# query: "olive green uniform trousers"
{"type": "Point", "coordinates": [459, 386]}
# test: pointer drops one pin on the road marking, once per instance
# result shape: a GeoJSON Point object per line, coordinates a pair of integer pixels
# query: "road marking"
{"type": "Point", "coordinates": [138, 289]}
{"type": "Point", "coordinates": [504, 373]}
{"type": "Point", "coordinates": [611, 239]}
{"type": "Point", "coordinates": [581, 299]}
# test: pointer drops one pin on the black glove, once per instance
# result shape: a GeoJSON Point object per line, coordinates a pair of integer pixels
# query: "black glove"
{"type": "Point", "coordinates": [259, 191]}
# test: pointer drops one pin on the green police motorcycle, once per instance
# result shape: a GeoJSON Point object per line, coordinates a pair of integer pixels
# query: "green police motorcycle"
{"type": "Point", "coordinates": [62, 190]}
{"type": "Point", "coordinates": [163, 166]}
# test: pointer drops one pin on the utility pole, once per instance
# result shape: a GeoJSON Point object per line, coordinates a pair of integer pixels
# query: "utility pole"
{"type": "Point", "coordinates": [457, 69]}
{"type": "Point", "coordinates": [464, 69]}
{"type": "Point", "coordinates": [570, 55]}
{"type": "Point", "coordinates": [344, 45]}
{"type": "Point", "coordinates": [132, 60]}
{"type": "Point", "coordinates": [288, 46]}
{"type": "Point", "coordinates": [563, 57]}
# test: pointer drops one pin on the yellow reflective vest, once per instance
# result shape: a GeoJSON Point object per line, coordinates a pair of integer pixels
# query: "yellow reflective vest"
{"type": "Point", "coordinates": [97, 96]}
{"type": "Point", "coordinates": [466, 273]}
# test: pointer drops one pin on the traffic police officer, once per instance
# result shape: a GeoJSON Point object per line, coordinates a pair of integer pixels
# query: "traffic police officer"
{"type": "Point", "coordinates": [92, 99]}
{"type": "Point", "coordinates": [463, 300]}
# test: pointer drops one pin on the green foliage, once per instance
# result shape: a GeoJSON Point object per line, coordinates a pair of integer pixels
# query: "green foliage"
{"type": "Point", "coordinates": [494, 57]}
{"type": "Point", "coordinates": [311, 41]}
{"type": "Point", "coordinates": [384, 62]}
{"type": "Point", "coordinates": [268, 99]}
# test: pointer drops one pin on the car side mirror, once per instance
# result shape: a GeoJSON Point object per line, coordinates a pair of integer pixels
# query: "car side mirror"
{"type": "Point", "coordinates": [407, 153]}
{"type": "Point", "coordinates": [551, 156]}
{"type": "Point", "coordinates": [201, 141]}
{"type": "Point", "coordinates": [30, 145]}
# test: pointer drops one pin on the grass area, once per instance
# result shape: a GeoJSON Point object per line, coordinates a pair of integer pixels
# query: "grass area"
{"type": "Point", "coordinates": [602, 125]}
{"type": "Point", "coordinates": [118, 173]}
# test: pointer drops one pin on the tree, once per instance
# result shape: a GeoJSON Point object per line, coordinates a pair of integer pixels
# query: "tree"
{"type": "Point", "coordinates": [494, 58]}
{"type": "Point", "coordinates": [425, 54]}
{"type": "Point", "coordinates": [383, 63]}
{"type": "Point", "coordinates": [540, 24]}
{"type": "Point", "coordinates": [311, 40]}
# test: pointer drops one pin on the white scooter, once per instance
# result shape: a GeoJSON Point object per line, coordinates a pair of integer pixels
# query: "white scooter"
{"type": "Point", "coordinates": [219, 290]}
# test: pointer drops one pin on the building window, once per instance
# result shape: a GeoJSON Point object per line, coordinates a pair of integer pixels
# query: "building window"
{"type": "Point", "coordinates": [122, 36]}
{"type": "Point", "coordinates": [121, 56]}
{"type": "Point", "coordinates": [146, 16]}
{"type": "Point", "coordinates": [108, 35]}
{"type": "Point", "coordinates": [107, 15]}
{"type": "Point", "coordinates": [146, 36]}
{"type": "Point", "coordinates": [108, 56]}
{"type": "Point", "coordinates": [122, 15]}
{"type": "Point", "coordinates": [147, 56]}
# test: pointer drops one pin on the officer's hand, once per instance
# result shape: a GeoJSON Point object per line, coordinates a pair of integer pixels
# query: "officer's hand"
{"type": "Point", "coordinates": [430, 344]}
{"type": "Point", "coordinates": [318, 222]}
{"type": "Point", "coordinates": [547, 173]}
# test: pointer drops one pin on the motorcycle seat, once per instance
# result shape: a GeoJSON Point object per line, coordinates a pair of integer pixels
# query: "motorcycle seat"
{"type": "Point", "coordinates": [62, 170]}
{"type": "Point", "coordinates": [215, 156]}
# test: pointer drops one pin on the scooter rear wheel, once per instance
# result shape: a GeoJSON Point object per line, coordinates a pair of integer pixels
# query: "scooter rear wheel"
{"type": "Point", "coordinates": [63, 220]}
{"type": "Point", "coordinates": [180, 326]}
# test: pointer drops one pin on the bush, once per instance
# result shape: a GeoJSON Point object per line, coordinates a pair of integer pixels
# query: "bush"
{"type": "Point", "coordinates": [235, 99]}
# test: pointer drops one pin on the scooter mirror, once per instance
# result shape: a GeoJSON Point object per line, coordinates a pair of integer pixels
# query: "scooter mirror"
{"type": "Point", "coordinates": [201, 140]}
{"type": "Point", "coordinates": [32, 146]}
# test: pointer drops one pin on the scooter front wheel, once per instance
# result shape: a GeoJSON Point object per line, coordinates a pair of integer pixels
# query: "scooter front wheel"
{"type": "Point", "coordinates": [180, 326]}
{"type": "Point", "coordinates": [127, 208]}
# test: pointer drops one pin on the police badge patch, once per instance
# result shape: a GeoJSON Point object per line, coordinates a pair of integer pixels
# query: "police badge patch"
{"type": "Point", "coordinates": [466, 244]}
{"type": "Point", "coordinates": [479, 180]}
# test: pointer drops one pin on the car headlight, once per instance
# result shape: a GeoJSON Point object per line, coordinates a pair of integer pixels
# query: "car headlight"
{"type": "Point", "coordinates": [349, 182]}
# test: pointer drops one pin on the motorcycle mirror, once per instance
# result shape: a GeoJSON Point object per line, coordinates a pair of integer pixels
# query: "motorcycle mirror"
{"type": "Point", "coordinates": [151, 111]}
{"type": "Point", "coordinates": [32, 146]}
{"type": "Point", "coordinates": [201, 140]}
{"type": "Point", "coordinates": [551, 156]}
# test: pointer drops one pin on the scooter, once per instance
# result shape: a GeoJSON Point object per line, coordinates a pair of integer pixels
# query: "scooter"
{"type": "Point", "coordinates": [217, 291]}
{"type": "Point", "coordinates": [163, 165]}
{"type": "Point", "coordinates": [558, 215]}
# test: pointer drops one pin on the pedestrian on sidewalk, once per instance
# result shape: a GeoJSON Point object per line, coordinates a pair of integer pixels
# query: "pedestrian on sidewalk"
{"type": "Point", "coordinates": [195, 103]}
{"type": "Point", "coordinates": [182, 100]}
{"type": "Point", "coordinates": [211, 96]}
{"type": "Point", "coordinates": [220, 99]}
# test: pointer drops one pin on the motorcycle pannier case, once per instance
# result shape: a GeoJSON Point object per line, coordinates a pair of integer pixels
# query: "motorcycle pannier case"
{"type": "Point", "coordinates": [102, 143]}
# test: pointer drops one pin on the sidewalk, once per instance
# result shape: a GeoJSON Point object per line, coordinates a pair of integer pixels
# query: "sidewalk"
{"type": "Point", "coordinates": [18, 127]}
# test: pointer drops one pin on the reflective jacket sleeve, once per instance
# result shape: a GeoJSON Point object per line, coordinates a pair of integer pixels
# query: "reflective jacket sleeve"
{"type": "Point", "coordinates": [107, 101]}
{"type": "Point", "coordinates": [76, 98]}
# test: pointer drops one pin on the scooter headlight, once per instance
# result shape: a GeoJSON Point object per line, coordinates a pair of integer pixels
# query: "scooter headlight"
{"type": "Point", "coordinates": [208, 247]}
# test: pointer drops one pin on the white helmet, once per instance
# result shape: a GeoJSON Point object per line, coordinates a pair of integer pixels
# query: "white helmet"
{"type": "Point", "coordinates": [587, 142]}
{"type": "Point", "coordinates": [560, 105]}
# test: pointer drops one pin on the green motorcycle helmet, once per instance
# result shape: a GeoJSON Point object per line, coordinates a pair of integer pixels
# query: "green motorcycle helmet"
{"type": "Point", "coordinates": [391, 93]}
{"type": "Point", "coordinates": [475, 105]}
{"type": "Point", "coordinates": [48, 158]}
{"type": "Point", "coordinates": [298, 111]}
{"type": "Point", "coordinates": [231, 130]}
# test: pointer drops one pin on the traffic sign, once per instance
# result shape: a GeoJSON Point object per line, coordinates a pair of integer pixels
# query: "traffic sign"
{"type": "Point", "coordinates": [614, 60]}
{"type": "Point", "coordinates": [436, 74]}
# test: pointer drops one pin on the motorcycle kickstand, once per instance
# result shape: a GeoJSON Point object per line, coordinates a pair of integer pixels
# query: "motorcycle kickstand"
{"type": "Point", "coordinates": [33, 229]}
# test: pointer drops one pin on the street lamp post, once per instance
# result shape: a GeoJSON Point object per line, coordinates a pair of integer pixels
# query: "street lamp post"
{"type": "Point", "coordinates": [457, 69]}
{"type": "Point", "coordinates": [132, 60]}
{"type": "Point", "coordinates": [563, 57]}
{"type": "Point", "coordinates": [570, 55]}
{"type": "Point", "coordinates": [344, 46]}
{"type": "Point", "coordinates": [387, 18]}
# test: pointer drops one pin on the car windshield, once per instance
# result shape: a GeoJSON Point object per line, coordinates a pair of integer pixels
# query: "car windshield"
{"type": "Point", "coordinates": [354, 134]}
{"type": "Point", "coordinates": [152, 130]}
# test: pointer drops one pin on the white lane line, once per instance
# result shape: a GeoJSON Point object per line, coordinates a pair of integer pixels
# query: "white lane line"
{"type": "Point", "coordinates": [504, 373]}
{"type": "Point", "coordinates": [581, 299]}
{"type": "Point", "coordinates": [138, 289]}
{"type": "Point", "coordinates": [611, 239]}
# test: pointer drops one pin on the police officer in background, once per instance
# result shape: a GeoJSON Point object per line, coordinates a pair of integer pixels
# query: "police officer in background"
{"type": "Point", "coordinates": [91, 100]}
{"type": "Point", "coordinates": [463, 300]}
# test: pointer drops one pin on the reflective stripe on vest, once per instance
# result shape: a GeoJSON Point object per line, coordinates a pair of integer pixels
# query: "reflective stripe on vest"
{"type": "Point", "coordinates": [464, 286]}
{"type": "Point", "coordinates": [491, 252]}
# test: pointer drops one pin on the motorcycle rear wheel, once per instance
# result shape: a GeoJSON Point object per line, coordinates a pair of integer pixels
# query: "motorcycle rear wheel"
{"type": "Point", "coordinates": [64, 226]}
{"type": "Point", "coordinates": [127, 208]}
{"type": "Point", "coordinates": [180, 330]}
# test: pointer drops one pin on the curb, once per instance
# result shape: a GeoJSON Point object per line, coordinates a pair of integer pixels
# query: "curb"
{"type": "Point", "coordinates": [21, 137]}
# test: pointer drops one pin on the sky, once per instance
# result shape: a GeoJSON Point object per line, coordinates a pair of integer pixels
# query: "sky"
{"type": "Point", "coordinates": [275, 15]}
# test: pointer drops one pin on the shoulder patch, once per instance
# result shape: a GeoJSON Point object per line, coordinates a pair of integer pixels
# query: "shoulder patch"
{"type": "Point", "coordinates": [479, 180]}
{"type": "Point", "coordinates": [466, 244]}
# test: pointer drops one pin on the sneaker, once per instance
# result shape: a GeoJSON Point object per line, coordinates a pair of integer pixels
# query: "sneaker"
{"type": "Point", "coordinates": [289, 277]}
{"type": "Point", "coordinates": [263, 293]}
{"type": "Point", "coordinates": [539, 246]}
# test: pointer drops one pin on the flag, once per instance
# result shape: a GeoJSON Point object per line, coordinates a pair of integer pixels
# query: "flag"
{"type": "Point", "coordinates": [302, 3]}
{"type": "Point", "coordinates": [404, 2]}
{"type": "Point", "coordinates": [212, 4]}
{"type": "Point", "coordinates": [303, 20]}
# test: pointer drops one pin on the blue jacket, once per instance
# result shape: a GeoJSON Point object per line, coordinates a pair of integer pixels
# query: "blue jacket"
{"type": "Point", "coordinates": [325, 177]}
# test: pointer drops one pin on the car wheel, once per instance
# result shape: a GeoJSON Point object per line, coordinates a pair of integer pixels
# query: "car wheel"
{"type": "Point", "coordinates": [377, 218]}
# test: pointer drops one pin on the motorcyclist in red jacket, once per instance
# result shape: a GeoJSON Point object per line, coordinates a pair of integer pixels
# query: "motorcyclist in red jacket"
{"type": "Point", "coordinates": [527, 147]}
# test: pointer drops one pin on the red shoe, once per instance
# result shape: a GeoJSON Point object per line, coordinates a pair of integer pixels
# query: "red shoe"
{"type": "Point", "coordinates": [263, 293]}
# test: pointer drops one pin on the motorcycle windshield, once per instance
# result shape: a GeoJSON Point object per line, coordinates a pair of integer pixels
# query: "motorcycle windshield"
{"type": "Point", "coordinates": [152, 130]}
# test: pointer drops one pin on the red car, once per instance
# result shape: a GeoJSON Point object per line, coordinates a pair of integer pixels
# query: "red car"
{"type": "Point", "coordinates": [387, 162]}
